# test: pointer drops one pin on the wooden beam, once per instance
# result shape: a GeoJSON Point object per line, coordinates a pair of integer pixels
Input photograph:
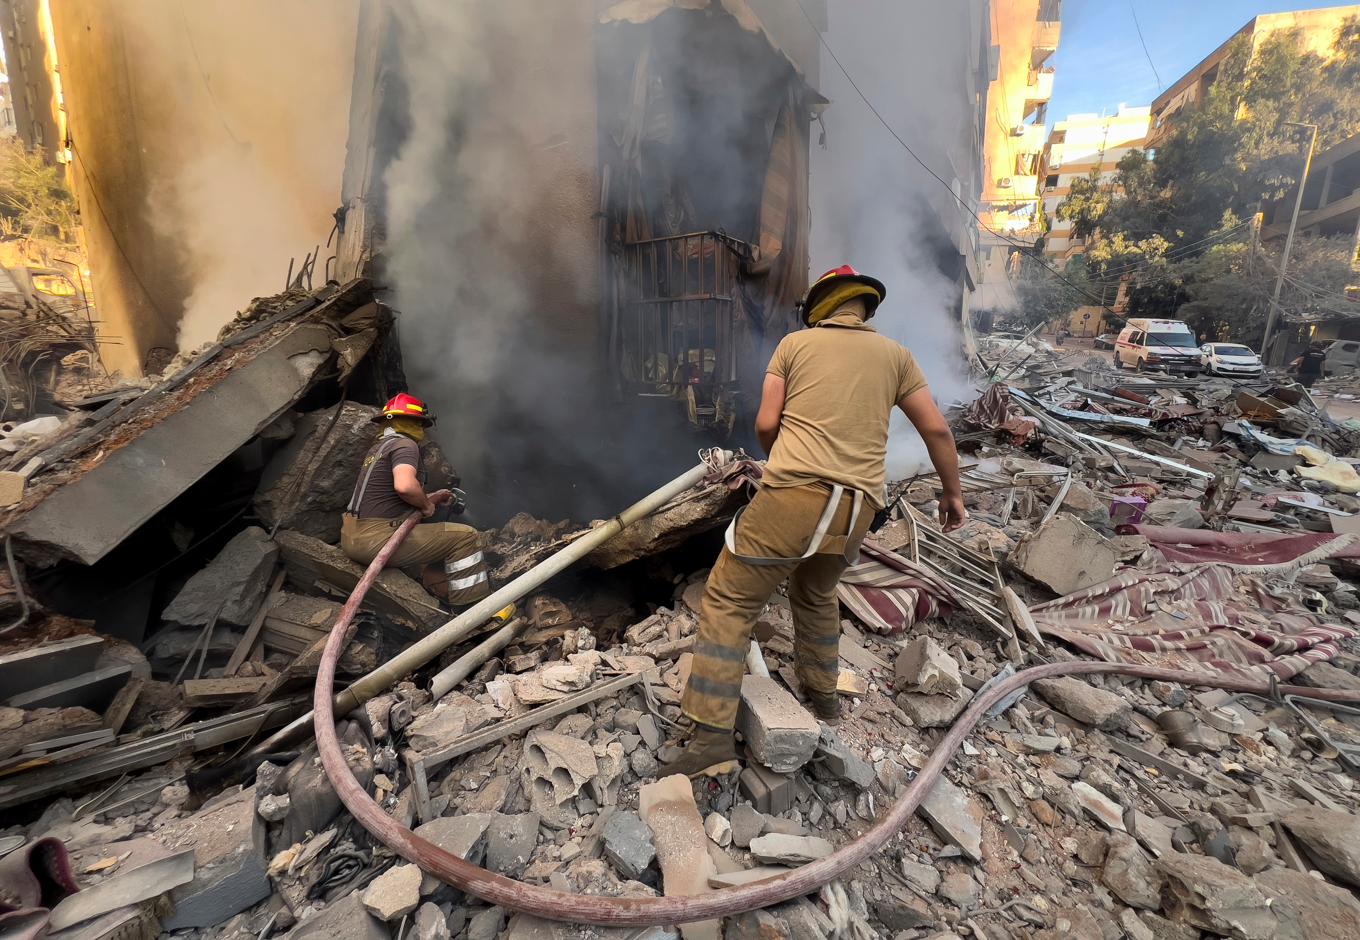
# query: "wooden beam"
{"type": "Point", "coordinates": [252, 634]}
{"type": "Point", "coordinates": [205, 693]}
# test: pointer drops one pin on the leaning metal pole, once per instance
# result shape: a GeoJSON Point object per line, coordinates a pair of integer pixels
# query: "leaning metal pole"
{"type": "Point", "coordinates": [1289, 239]}
{"type": "Point", "coordinates": [461, 626]}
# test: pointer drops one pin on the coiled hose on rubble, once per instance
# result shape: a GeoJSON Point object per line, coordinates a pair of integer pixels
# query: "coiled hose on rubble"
{"type": "Point", "coordinates": [665, 911]}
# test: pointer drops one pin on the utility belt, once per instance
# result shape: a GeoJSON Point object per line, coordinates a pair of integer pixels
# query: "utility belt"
{"type": "Point", "coordinates": [819, 535]}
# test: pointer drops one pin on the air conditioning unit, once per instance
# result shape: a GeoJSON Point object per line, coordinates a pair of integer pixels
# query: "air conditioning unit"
{"type": "Point", "coordinates": [1005, 182]}
{"type": "Point", "coordinates": [1018, 130]}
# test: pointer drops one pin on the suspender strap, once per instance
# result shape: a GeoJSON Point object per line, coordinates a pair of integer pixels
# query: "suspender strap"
{"type": "Point", "coordinates": [818, 535]}
{"type": "Point", "coordinates": [357, 499]}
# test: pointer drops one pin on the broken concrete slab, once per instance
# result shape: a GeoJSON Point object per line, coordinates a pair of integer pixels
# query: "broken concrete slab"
{"type": "Point", "coordinates": [343, 919]}
{"type": "Point", "coordinates": [228, 840]}
{"type": "Point", "coordinates": [1204, 892]}
{"type": "Point", "coordinates": [464, 836]}
{"type": "Point", "coordinates": [776, 848]}
{"type": "Point", "coordinates": [1065, 555]}
{"type": "Point", "coordinates": [1309, 908]}
{"type": "Point", "coordinates": [87, 517]}
{"type": "Point", "coordinates": [668, 808]}
{"type": "Point", "coordinates": [93, 690]}
{"type": "Point", "coordinates": [835, 757]}
{"type": "Point", "coordinates": [133, 886]}
{"type": "Point", "coordinates": [510, 840]}
{"type": "Point", "coordinates": [46, 663]}
{"type": "Point", "coordinates": [955, 816]}
{"type": "Point", "coordinates": [1101, 808]}
{"type": "Point", "coordinates": [1129, 874]}
{"type": "Point", "coordinates": [231, 586]}
{"type": "Point", "coordinates": [1331, 838]}
{"type": "Point", "coordinates": [1084, 702]}
{"type": "Point", "coordinates": [393, 894]}
{"type": "Point", "coordinates": [933, 711]}
{"type": "Point", "coordinates": [926, 667]}
{"type": "Point", "coordinates": [747, 823]}
{"type": "Point", "coordinates": [308, 482]}
{"type": "Point", "coordinates": [311, 562]}
{"type": "Point", "coordinates": [454, 716]}
{"type": "Point", "coordinates": [628, 844]}
{"type": "Point", "coordinates": [781, 734]}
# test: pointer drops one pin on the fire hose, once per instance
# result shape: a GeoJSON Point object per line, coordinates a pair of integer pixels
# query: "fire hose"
{"type": "Point", "coordinates": [665, 911]}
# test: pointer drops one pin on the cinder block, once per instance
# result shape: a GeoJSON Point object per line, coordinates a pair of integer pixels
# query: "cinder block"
{"type": "Point", "coordinates": [781, 734]}
{"type": "Point", "coordinates": [769, 792]}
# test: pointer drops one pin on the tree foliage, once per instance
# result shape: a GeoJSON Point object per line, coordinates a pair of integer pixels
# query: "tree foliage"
{"type": "Point", "coordinates": [34, 200]}
{"type": "Point", "coordinates": [1043, 297]}
{"type": "Point", "coordinates": [1171, 222]}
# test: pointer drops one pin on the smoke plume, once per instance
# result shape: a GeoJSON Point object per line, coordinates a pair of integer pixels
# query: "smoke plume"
{"type": "Point", "coordinates": [243, 132]}
{"type": "Point", "coordinates": [872, 205]}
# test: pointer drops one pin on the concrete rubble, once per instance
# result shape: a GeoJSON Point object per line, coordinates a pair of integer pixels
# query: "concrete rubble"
{"type": "Point", "coordinates": [1099, 806]}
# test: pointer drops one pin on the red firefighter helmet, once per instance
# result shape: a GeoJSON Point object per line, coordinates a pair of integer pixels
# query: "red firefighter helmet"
{"type": "Point", "coordinates": [406, 406]}
{"type": "Point", "coordinates": [835, 278]}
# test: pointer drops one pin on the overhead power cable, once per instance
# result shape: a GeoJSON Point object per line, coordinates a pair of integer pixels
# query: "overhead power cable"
{"type": "Point", "coordinates": [1133, 10]}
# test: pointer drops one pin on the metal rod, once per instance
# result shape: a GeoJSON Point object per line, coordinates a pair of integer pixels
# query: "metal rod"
{"type": "Point", "coordinates": [1289, 239]}
{"type": "Point", "coordinates": [446, 679]}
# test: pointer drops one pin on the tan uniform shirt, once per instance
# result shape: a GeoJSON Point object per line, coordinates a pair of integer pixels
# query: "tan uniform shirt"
{"type": "Point", "coordinates": [842, 381]}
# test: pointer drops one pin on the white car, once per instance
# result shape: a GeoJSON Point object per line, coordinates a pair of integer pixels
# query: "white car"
{"type": "Point", "coordinates": [1229, 359]}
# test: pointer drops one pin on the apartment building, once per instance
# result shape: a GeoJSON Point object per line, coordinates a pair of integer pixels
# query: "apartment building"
{"type": "Point", "coordinates": [1025, 34]}
{"type": "Point", "coordinates": [1317, 31]}
{"type": "Point", "coordinates": [1078, 147]}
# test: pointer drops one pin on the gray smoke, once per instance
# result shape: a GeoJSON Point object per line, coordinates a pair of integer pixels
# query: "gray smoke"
{"type": "Point", "coordinates": [872, 205]}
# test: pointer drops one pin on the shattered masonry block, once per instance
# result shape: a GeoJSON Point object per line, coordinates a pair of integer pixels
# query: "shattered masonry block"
{"type": "Point", "coordinates": [769, 792]}
{"type": "Point", "coordinates": [925, 666]}
{"type": "Point", "coordinates": [1065, 555]}
{"type": "Point", "coordinates": [510, 841]}
{"type": "Point", "coordinates": [781, 734]}
{"type": "Point", "coordinates": [836, 757]}
{"type": "Point", "coordinates": [343, 919]}
{"type": "Point", "coordinates": [235, 580]}
{"type": "Point", "coordinates": [781, 849]}
{"type": "Point", "coordinates": [230, 873]}
{"type": "Point", "coordinates": [628, 844]}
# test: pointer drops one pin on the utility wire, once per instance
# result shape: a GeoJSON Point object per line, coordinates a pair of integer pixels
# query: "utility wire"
{"type": "Point", "coordinates": [1028, 249]}
{"type": "Point", "coordinates": [1133, 10]}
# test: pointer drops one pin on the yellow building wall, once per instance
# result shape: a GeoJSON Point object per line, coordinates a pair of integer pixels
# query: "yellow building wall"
{"type": "Point", "coordinates": [208, 145]}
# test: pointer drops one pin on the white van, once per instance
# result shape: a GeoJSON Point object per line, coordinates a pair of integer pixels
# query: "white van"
{"type": "Point", "coordinates": [1157, 344]}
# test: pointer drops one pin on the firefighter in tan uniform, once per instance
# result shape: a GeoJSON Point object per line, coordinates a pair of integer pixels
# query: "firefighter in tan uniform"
{"type": "Point", "coordinates": [388, 488]}
{"type": "Point", "coordinates": [829, 392]}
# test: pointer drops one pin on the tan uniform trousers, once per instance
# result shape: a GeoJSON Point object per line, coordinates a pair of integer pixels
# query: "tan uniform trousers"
{"type": "Point", "coordinates": [779, 523]}
{"type": "Point", "coordinates": [456, 547]}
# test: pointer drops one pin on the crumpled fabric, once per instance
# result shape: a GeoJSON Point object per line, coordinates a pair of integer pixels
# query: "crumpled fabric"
{"type": "Point", "coordinates": [1201, 618]}
{"type": "Point", "coordinates": [33, 879]}
{"type": "Point", "coordinates": [1235, 548]}
{"type": "Point", "coordinates": [889, 593]}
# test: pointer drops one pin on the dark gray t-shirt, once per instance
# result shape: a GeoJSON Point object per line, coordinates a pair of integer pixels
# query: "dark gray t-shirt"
{"type": "Point", "coordinates": [380, 499]}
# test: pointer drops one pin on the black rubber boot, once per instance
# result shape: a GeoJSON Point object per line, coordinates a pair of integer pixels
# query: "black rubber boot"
{"type": "Point", "coordinates": [825, 705]}
{"type": "Point", "coordinates": [707, 753]}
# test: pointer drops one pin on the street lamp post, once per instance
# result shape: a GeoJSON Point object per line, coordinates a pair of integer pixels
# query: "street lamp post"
{"type": "Point", "coordinates": [1289, 239]}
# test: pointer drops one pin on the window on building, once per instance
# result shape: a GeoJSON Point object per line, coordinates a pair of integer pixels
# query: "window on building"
{"type": "Point", "coordinates": [1051, 181]}
{"type": "Point", "coordinates": [1026, 164]}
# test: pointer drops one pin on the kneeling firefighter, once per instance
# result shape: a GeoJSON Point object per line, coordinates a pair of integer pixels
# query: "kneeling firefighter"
{"type": "Point", "coordinates": [828, 394]}
{"type": "Point", "coordinates": [447, 556]}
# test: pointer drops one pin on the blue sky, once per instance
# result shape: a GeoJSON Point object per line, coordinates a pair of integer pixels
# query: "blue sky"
{"type": "Point", "coordinates": [1100, 63]}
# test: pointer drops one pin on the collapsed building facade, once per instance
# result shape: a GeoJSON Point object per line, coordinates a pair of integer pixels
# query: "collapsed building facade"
{"type": "Point", "coordinates": [585, 226]}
